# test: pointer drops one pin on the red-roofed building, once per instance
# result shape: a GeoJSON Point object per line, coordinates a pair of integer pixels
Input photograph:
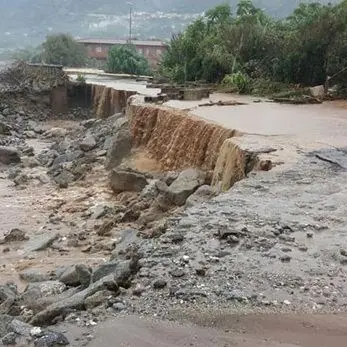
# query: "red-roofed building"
{"type": "Point", "coordinates": [151, 50]}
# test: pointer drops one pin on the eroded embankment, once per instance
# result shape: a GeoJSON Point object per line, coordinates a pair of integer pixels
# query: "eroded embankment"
{"type": "Point", "coordinates": [103, 101]}
{"type": "Point", "coordinates": [178, 140]}
{"type": "Point", "coordinates": [174, 138]}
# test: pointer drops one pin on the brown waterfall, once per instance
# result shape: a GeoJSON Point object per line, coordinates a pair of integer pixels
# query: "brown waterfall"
{"type": "Point", "coordinates": [107, 101]}
{"type": "Point", "coordinates": [233, 164]}
{"type": "Point", "coordinates": [174, 138]}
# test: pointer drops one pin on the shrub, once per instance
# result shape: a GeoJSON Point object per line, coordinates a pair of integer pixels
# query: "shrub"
{"type": "Point", "coordinates": [238, 82]}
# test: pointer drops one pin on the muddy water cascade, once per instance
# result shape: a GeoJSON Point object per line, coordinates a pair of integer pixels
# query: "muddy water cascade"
{"type": "Point", "coordinates": [179, 140]}
{"type": "Point", "coordinates": [108, 101]}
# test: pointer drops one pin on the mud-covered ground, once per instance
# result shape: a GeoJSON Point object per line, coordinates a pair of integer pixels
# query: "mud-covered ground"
{"type": "Point", "coordinates": [273, 244]}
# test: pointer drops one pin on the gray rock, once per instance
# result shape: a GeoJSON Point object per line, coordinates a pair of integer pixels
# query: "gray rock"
{"type": "Point", "coordinates": [317, 91]}
{"type": "Point", "coordinates": [6, 111]}
{"type": "Point", "coordinates": [30, 162]}
{"type": "Point", "coordinates": [5, 320]}
{"type": "Point", "coordinates": [185, 185]}
{"type": "Point", "coordinates": [88, 143]}
{"type": "Point", "coordinates": [120, 148]}
{"type": "Point", "coordinates": [20, 328]}
{"type": "Point", "coordinates": [84, 274]}
{"type": "Point", "coordinates": [76, 301]}
{"type": "Point", "coordinates": [97, 299]}
{"type": "Point", "coordinates": [9, 155]}
{"type": "Point", "coordinates": [160, 283]}
{"type": "Point", "coordinates": [170, 177]}
{"type": "Point", "coordinates": [122, 180]}
{"type": "Point", "coordinates": [70, 276]}
{"type": "Point", "coordinates": [121, 270]}
{"type": "Point", "coordinates": [9, 339]}
{"type": "Point", "coordinates": [64, 179]}
{"type": "Point", "coordinates": [21, 179]}
{"type": "Point", "coordinates": [15, 235]}
{"type": "Point", "coordinates": [8, 296]}
{"type": "Point", "coordinates": [55, 132]}
{"type": "Point", "coordinates": [51, 339]}
{"type": "Point", "coordinates": [177, 272]}
{"type": "Point", "coordinates": [119, 121]}
{"type": "Point", "coordinates": [29, 134]}
{"type": "Point", "coordinates": [67, 157]}
{"type": "Point", "coordinates": [89, 122]}
{"type": "Point", "coordinates": [42, 242]}
{"type": "Point", "coordinates": [285, 258]}
{"type": "Point", "coordinates": [119, 306]}
{"type": "Point", "coordinates": [99, 211]}
{"type": "Point", "coordinates": [46, 288]}
{"type": "Point", "coordinates": [130, 215]}
{"type": "Point", "coordinates": [128, 238]}
{"type": "Point", "coordinates": [43, 178]}
{"type": "Point", "coordinates": [176, 238]}
{"type": "Point", "coordinates": [150, 192]}
{"type": "Point", "coordinates": [200, 271]}
{"type": "Point", "coordinates": [32, 275]}
{"type": "Point", "coordinates": [75, 275]}
{"type": "Point", "coordinates": [5, 129]}
{"type": "Point", "coordinates": [202, 194]}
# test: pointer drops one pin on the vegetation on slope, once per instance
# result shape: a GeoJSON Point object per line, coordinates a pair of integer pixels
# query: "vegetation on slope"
{"type": "Point", "coordinates": [246, 49]}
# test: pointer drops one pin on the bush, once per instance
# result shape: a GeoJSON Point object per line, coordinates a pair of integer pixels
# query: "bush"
{"type": "Point", "coordinates": [81, 78]}
{"type": "Point", "coordinates": [265, 87]}
{"type": "Point", "coordinates": [238, 82]}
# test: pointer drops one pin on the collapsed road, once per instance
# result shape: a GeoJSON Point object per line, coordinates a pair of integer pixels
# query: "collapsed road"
{"type": "Point", "coordinates": [119, 214]}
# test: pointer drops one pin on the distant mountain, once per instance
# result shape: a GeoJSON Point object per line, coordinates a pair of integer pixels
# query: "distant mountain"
{"type": "Point", "coordinates": [27, 22]}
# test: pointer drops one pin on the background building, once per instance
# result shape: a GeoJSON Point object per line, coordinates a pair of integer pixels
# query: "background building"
{"type": "Point", "coordinates": [151, 50]}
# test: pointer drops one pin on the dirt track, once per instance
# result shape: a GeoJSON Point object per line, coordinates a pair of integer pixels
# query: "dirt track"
{"type": "Point", "coordinates": [238, 331]}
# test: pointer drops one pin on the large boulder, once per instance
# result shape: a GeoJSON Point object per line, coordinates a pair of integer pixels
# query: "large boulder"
{"type": "Point", "coordinates": [187, 182]}
{"type": "Point", "coordinates": [317, 91]}
{"type": "Point", "coordinates": [121, 270]}
{"type": "Point", "coordinates": [120, 148]}
{"type": "Point", "coordinates": [202, 194]}
{"type": "Point", "coordinates": [76, 301]}
{"type": "Point", "coordinates": [33, 275]}
{"type": "Point", "coordinates": [9, 155]}
{"type": "Point", "coordinates": [75, 275]}
{"type": "Point", "coordinates": [123, 180]}
{"type": "Point", "coordinates": [88, 143]}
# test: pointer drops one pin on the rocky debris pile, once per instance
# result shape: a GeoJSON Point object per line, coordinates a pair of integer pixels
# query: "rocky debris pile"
{"type": "Point", "coordinates": [231, 252]}
{"type": "Point", "coordinates": [73, 154]}
{"type": "Point", "coordinates": [14, 332]}
{"type": "Point", "coordinates": [31, 77]}
{"type": "Point", "coordinates": [45, 302]}
{"type": "Point", "coordinates": [15, 126]}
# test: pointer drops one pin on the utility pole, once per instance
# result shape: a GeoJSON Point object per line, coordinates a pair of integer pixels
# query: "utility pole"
{"type": "Point", "coordinates": [130, 21]}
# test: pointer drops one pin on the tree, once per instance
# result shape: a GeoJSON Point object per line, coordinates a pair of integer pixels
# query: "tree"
{"type": "Point", "coordinates": [304, 48]}
{"type": "Point", "coordinates": [125, 59]}
{"type": "Point", "coordinates": [62, 49]}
